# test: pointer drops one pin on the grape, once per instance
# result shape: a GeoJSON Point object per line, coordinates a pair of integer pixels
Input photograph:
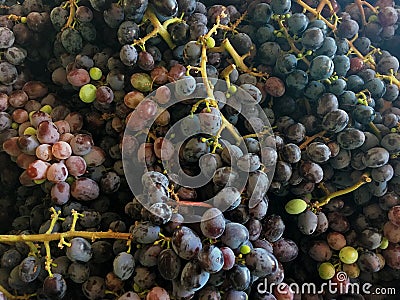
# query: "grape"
{"type": "Point", "coordinates": [318, 152]}
{"type": "Point", "coordinates": [211, 259]}
{"type": "Point", "coordinates": [320, 251]}
{"type": "Point", "coordinates": [249, 162]}
{"type": "Point", "coordinates": [76, 165]}
{"type": "Point", "coordinates": [60, 193]}
{"type": "Point", "coordinates": [348, 255]}
{"type": "Point", "coordinates": [274, 228]}
{"type": "Point", "coordinates": [169, 264]}
{"type": "Point", "coordinates": [212, 223]}
{"type": "Point", "coordinates": [335, 120]}
{"type": "Point", "coordinates": [94, 288]}
{"type": "Point", "coordinates": [57, 172]}
{"type": "Point", "coordinates": [280, 7]}
{"type": "Point", "coordinates": [269, 52]}
{"type": "Point", "coordinates": [55, 286]}
{"type": "Point", "coordinates": [186, 243]}
{"type": "Point", "coordinates": [351, 138]}
{"type": "Point", "coordinates": [78, 272]}
{"type": "Point", "coordinates": [312, 38]}
{"type": "Point", "coordinates": [375, 157]}
{"type": "Point", "coordinates": [261, 262]}
{"type": "Point", "coordinates": [130, 296]}
{"type": "Point", "coordinates": [369, 262]}
{"type": "Point", "coordinates": [210, 120]}
{"type": "Point", "coordinates": [37, 169]}
{"type": "Point", "coordinates": [7, 38]}
{"type": "Point", "coordinates": [80, 250]}
{"type": "Point", "coordinates": [336, 240]}
{"type": "Point", "coordinates": [124, 265]}
{"type": "Point", "coordinates": [235, 235]}
{"type": "Point", "coordinates": [193, 277]}
{"type": "Point", "coordinates": [326, 270]}
{"type": "Point", "coordinates": [307, 222]}
{"type": "Point", "coordinates": [185, 86]}
{"type": "Point", "coordinates": [297, 23]}
{"type": "Point", "coordinates": [87, 93]}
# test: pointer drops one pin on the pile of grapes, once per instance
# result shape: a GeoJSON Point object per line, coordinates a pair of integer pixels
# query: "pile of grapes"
{"type": "Point", "coordinates": [183, 149]}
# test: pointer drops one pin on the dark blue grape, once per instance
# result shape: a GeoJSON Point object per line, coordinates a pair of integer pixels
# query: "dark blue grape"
{"type": "Point", "coordinates": [261, 262]}
{"type": "Point", "coordinates": [268, 53]}
{"type": "Point", "coordinates": [321, 67]}
{"type": "Point", "coordinates": [80, 250]}
{"type": "Point", "coordinates": [239, 277]}
{"type": "Point", "coordinates": [281, 7]}
{"type": "Point", "coordinates": [314, 90]}
{"type": "Point", "coordinates": [355, 83]}
{"type": "Point", "coordinates": [169, 264]}
{"type": "Point", "coordinates": [211, 259]}
{"type": "Point", "coordinates": [297, 23]}
{"type": "Point", "coordinates": [193, 277]}
{"type": "Point", "coordinates": [363, 114]}
{"type": "Point", "coordinates": [286, 63]}
{"type": "Point", "coordinates": [328, 47]}
{"type": "Point", "coordinates": [235, 235]}
{"type": "Point", "coordinates": [312, 38]}
{"type": "Point", "coordinates": [376, 87]}
{"type": "Point", "coordinates": [297, 80]}
{"type": "Point", "coordinates": [124, 265]}
{"type": "Point", "coordinates": [337, 87]}
{"type": "Point", "coordinates": [186, 242]}
{"type": "Point", "coordinates": [342, 64]}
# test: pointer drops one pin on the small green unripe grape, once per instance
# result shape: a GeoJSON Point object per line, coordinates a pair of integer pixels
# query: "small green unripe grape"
{"type": "Point", "coordinates": [39, 181]}
{"type": "Point", "coordinates": [232, 89]}
{"type": "Point", "coordinates": [245, 249]}
{"type": "Point", "coordinates": [384, 243]}
{"type": "Point", "coordinates": [142, 82]}
{"type": "Point", "coordinates": [30, 115]}
{"type": "Point", "coordinates": [87, 93]}
{"type": "Point", "coordinates": [95, 73]}
{"type": "Point", "coordinates": [24, 20]}
{"type": "Point", "coordinates": [326, 270]}
{"type": "Point", "coordinates": [295, 206]}
{"type": "Point", "coordinates": [372, 19]}
{"type": "Point", "coordinates": [287, 16]}
{"type": "Point", "coordinates": [46, 108]}
{"type": "Point", "coordinates": [348, 255]}
{"type": "Point", "coordinates": [14, 125]}
{"type": "Point", "coordinates": [210, 42]}
{"type": "Point", "coordinates": [70, 180]}
{"type": "Point", "coordinates": [30, 131]}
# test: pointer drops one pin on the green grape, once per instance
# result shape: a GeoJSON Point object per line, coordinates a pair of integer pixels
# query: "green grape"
{"type": "Point", "coordinates": [348, 255]}
{"type": "Point", "coordinates": [295, 206]}
{"type": "Point", "coordinates": [210, 42]}
{"type": "Point", "coordinates": [245, 249]}
{"type": "Point", "coordinates": [87, 93]}
{"type": "Point", "coordinates": [142, 82]}
{"type": "Point", "coordinates": [326, 270]}
{"type": "Point", "coordinates": [95, 73]}
{"type": "Point", "coordinates": [384, 243]}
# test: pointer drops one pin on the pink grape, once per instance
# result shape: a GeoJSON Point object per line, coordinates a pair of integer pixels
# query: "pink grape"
{"type": "Point", "coordinates": [76, 165]}
{"type": "Point", "coordinates": [60, 193]}
{"type": "Point", "coordinates": [66, 137]}
{"type": "Point", "coordinates": [147, 109]}
{"type": "Point", "coordinates": [61, 150]}
{"type": "Point", "coordinates": [229, 258]}
{"type": "Point", "coordinates": [78, 77]}
{"type": "Point", "coordinates": [44, 153]}
{"type": "Point", "coordinates": [28, 144]}
{"type": "Point", "coordinates": [163, 148]}
{"type": "Point", "coordinates": [47, 133]}
{"type": "Point", "coordinates": [85, 189]}
{"type": "Point", "coordinates": [25, 180]}
{"type": "Point", "coordinates": [95, 157]}
{"type": "Point", "coordinates": [163, 94]}
{"type": "Point", "coordinates": [57, 172]}
{"type": "Point", "coordinates": [81, 144]}
{"type": "Point", "coordinates": [39, 117]}
{"type": "Point", "coordinates": [75, 121]}
{"type": "Point", "coordinates": [10, 146]}
{"type": "Point", "coordinates": [23, 160]}
{"type": "Point", "coordinates": [20, 115]}
{"type": "Point", "coordinates": [62, 126]}
{"type": "Point", "coordinates": [37, 169]}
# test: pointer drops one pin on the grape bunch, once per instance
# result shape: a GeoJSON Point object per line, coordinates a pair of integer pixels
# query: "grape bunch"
{"type": "Point", "coordinates": [187, 149]}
